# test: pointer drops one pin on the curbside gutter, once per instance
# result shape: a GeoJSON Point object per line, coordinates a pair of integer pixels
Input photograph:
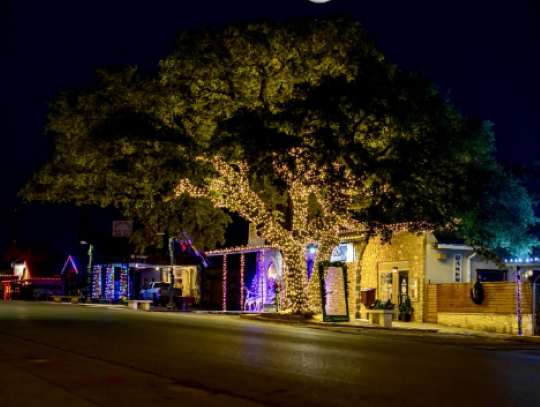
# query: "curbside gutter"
{"type": "Point", "coordinates": [295, 320]}
{"type": "Point", "coordinates": [301, 320]}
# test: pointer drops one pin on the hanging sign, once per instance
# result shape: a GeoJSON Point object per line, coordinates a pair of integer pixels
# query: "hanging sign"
{"type": "Point", "coordinates": [122, 228]}
{"type": "Point", "coordinates": [333, 282]}
{"type": "Point", "coordinates": [343, 252]}
{"type": "Point", "coordinates": [457, 268]}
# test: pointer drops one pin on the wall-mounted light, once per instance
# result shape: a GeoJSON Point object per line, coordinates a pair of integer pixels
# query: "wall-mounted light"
{"type": "Point", "coordinates": [394, 269]}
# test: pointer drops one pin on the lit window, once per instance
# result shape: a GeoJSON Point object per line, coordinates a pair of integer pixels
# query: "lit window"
{"type": "Point", "coordinates": [386, 288]}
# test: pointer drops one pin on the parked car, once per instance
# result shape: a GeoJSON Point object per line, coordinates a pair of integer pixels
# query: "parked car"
{"type": "Point", "coordinates": [46, 292]}
{"type": "Point", "coordinates": [157, 292]}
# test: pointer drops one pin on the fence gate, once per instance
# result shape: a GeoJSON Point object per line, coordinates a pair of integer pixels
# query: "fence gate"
{"type": "Point", "coordinates": [431, 315]}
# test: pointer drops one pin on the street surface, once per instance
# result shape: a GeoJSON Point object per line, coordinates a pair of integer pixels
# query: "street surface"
{"type": "Point", "coordinates": [73, 355]}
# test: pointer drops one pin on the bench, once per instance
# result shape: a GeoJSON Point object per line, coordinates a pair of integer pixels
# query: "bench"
{"type": "Point", "coordinates": [145, 304]}
{"type": "Point", "coordinates": [73, 298]}
{"type": "Point", "coordinates": [382, 317]}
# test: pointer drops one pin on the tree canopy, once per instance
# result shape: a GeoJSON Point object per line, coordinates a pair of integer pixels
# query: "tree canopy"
{"type": "Point", "coordinates": [389, 148]}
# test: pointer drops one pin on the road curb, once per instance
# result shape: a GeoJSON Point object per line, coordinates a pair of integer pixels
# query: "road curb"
{"type": "Point", "coordinates": [487, 335]}
{"type": "Point", "coordinates": [332, 324]}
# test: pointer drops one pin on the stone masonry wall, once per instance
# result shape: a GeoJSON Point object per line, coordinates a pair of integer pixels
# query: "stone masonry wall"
{"type": "Point", "coordinates": [351, 297]}
{"type": "Point", "coordinates": [500, 323]}
{"type": "Point", "coordinates": [403, 247]}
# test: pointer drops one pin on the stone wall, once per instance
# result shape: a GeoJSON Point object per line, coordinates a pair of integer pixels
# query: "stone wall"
{"type": "Point", "coordinates": [407, 251]}
{"type": "Point", "coordinates": [499, 323]}
{"type": "Point", "coordinates": [351, 296]}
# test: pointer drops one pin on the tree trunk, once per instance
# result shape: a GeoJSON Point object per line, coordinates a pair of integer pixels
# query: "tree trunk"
{"type": "Point", "coordinates": [295, 262]}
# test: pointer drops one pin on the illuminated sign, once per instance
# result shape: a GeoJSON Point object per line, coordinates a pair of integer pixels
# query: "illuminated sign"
{"type": "Point", "coordinates": [343, 252]}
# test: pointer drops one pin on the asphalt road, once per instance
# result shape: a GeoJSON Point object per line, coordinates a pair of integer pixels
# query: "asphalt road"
{"type": "Point", "coordinates": [60, 355]}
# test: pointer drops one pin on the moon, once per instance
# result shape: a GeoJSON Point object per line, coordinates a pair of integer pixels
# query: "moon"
{"type": "Point", "coordinates": [319, 1]}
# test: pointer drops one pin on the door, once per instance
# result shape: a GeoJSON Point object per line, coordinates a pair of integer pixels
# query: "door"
{"type": "Point", "coordinates": [403, 286]}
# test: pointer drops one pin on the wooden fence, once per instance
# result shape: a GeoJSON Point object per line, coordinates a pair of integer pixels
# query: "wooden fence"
{"type": "Point", "coordinates": [499, 298]}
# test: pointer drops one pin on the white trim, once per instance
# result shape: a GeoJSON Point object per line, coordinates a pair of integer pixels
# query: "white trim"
{"type": "Point", "coordinates": [454, 247]}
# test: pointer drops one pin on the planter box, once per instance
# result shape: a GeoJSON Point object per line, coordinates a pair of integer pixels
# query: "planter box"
{"type": "Point", "coordinates": [382, 317]}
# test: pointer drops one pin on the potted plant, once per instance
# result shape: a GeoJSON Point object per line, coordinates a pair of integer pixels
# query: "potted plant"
{"type": "Point", "coordinates": [382, 305]}
{"type": "Point", "coordinates": [406, 310]}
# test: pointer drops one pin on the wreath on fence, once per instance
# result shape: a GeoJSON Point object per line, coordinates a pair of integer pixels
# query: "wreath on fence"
{"type": "Point", "coordinates": [477, 293]}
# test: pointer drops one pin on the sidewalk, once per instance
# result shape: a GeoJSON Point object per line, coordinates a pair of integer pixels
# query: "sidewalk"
{"type": "Point", "coordinates": [401, 326]}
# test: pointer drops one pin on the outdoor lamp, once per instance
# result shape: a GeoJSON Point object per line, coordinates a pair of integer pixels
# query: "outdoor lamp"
{"type": "Point", "coordinates": [394, 269]}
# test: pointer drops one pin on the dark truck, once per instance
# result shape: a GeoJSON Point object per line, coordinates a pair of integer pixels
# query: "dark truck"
{"type": "Point", "coordinates": [158, 292]}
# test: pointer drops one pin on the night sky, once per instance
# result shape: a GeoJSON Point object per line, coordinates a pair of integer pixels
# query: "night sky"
{"type": "Point", "coordinates": [486, 53]}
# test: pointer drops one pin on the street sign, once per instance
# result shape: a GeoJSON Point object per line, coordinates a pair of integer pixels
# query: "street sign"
{"type": "Point", "coordinates": [122, 228]}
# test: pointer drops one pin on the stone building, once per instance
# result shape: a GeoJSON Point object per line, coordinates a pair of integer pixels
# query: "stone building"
{"type": "Point", "coordinates": [404, 267]}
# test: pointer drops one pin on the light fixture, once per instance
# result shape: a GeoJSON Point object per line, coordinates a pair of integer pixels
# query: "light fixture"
{"type": "Point", "coordinates": [394, 269]}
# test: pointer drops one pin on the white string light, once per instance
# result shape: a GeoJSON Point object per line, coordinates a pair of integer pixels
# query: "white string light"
{"type": "Point", "coordinates": [306, 180]}
{"type": "Point", "coordinates": [225, 283]}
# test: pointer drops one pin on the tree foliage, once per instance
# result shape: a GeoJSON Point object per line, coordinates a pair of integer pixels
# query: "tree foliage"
{"type": "Point", "coordinates": [250, 93]}
{"type": "Point", "coordinates": [111, 148]}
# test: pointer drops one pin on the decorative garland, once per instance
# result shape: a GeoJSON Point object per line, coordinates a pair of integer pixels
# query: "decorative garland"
{"type": "Point", "coordinates": [325, 265]}
{"type": "Point", "coordinates": [477, 293]}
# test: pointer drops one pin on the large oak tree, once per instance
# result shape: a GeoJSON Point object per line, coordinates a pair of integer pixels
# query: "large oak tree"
{"type": "Point", "coordinates": [301, 127]}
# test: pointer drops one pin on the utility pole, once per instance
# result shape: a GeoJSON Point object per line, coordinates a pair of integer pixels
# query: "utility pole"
{"type": "Point", "coordinates": [171, 275]}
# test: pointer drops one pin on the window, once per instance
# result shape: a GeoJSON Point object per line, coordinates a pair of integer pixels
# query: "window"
{"type": "Point", "coordinates": [386, 287]}
{"type": "Point", "coordinates": [490, 275]}
{"type": "Point", "coordinates": [403, 286]}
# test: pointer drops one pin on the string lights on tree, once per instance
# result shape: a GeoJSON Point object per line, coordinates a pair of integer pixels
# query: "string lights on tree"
{"type": "Point", "coordinates": [306, 182]}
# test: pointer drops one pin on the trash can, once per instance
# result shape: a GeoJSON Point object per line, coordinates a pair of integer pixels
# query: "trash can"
{"type": "Point", "coordinates": [181, 303]}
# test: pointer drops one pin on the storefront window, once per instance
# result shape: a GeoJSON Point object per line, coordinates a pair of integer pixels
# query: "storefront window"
{"type": "Point", "coordinates": [386, 286]}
